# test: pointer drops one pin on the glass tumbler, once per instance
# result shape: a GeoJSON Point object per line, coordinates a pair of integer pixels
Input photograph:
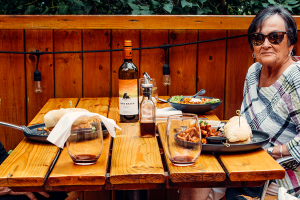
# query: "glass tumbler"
{"type": "Point", "coordinates": [183, 137]}
{"type": "Point", "coordinates": [154, 90]}
{"type": "Point", "coordinates": [85, 142]}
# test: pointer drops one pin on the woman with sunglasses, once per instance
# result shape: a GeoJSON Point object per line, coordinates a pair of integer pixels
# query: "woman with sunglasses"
{"type": "Point", "coordinates": [271, 99]}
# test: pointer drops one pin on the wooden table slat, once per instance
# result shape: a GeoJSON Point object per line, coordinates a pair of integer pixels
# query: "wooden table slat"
{"type": "Point", "coordinates": [52, 104]}
{"type": "Point", "coordinates": [206, 168]}
{"type": "Point", "coordinates": [255, 166]}
{"type": "Point", "coordinates": [29, 162]}
{"type": "Point", "coordinates": [66, 173]}
{"type": "Point", "coordinates": [134, 159]}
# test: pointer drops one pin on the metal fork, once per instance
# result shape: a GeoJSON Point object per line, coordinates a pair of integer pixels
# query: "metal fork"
{"type": "Point", "coordinates": [26, 130]}
{"type": "Point", "coordinates": [21, 128]}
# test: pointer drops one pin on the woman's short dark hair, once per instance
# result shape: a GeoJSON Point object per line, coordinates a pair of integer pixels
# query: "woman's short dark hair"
{"type": "Point", "coordinates": [290, 24]}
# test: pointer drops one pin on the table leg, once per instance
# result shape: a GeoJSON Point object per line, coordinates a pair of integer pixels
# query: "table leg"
{"type": "Point", "coordinates": [132, 194]}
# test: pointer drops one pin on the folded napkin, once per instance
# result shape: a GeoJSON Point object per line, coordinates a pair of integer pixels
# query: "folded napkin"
{"type": "Point", "coordinates": [165, 112]}
{"type": "Point", "coordinates": [283, 195]}
{"type": "Point", "coordinates": [61, 131]}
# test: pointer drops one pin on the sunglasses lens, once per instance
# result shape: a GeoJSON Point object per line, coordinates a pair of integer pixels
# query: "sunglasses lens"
{"type": "Point", "coordinates": [257, 39]}
{"type": "Point", "coordinates": [276, 37]}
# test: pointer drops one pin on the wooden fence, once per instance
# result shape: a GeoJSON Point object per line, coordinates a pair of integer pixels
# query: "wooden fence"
{"type": "Point", "coordinates": [218, 66]}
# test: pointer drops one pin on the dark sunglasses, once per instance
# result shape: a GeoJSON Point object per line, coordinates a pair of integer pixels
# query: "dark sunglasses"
{"type": "Point", "coordinates": [275, 37]}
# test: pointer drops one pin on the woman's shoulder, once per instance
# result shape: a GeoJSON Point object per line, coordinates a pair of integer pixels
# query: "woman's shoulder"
{"type": "Point", "coordinates": [291, 75]}
{"type": "Point", "coordinates": [293, 70]}
{"type": "Point", "coordinates": [255, 66]}
{"type": "Point", "coordinates": [254, 70]}
{"type": "Point", "coordinates": [295, 65]}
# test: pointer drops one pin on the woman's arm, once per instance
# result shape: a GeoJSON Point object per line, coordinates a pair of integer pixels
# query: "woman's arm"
{"type": "Point", "coordinates": [276, 152]}
{"type": "Point", "coordinates": [294, 148]}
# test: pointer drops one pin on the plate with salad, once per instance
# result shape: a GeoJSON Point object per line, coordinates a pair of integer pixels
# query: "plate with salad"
{"type": "Point", "coordinates": [200, 104]}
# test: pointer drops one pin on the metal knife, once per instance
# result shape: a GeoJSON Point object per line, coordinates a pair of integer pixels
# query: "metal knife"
{"type": "Point", "coordinates": [162, 100]}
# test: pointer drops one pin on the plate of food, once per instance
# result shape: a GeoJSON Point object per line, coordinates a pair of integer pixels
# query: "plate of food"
{"type": "Point", "coordinates": [200, 104]}
{"type": "Point", "coordinates": [259, 139]}
{"type": "Point", "coordinates": [234, 136]}
{"type": "Point", "coordinates": [40, 132]}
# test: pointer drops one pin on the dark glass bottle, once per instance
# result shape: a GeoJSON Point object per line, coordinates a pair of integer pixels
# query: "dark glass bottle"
{"type": "Point", "coordinates": [147, 110]}
{"type": "Point", "coordinates": [128, 87]}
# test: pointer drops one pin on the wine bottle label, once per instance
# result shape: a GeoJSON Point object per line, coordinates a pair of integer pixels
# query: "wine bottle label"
{"type": "Point", "coordinates": [128, 97]}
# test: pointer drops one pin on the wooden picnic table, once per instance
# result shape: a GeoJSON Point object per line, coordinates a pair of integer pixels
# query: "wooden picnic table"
{"type": "Point", "coordinates": [128, 161]}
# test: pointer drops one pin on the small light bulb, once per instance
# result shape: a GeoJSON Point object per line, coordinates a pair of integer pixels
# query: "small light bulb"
{"type": "Point", "coordinates": [37, 81]}
{"type": "Point", "coordinates": [166, 80]}
{"type": "Point", "coordinates": [37, 87]}
{"type": "Point", "coordinates": [166, 75]}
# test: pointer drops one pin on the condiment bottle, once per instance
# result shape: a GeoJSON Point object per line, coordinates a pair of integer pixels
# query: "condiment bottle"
{"type": "Point", "coordinates": [147, 109]}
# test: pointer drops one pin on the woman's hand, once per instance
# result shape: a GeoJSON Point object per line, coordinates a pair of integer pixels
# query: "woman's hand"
{"type": "Point", "coordinates": [30, 195]}
{"type": "Point", "coordinates": [276, 152]}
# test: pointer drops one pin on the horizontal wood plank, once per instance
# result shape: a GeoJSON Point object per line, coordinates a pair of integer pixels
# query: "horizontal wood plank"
{"type": "Point", "coordinates": [226, 22]}
{"type": "Point", "coordinates": [134, 159]}
{"type": "Point", "coordinates": [27, 165]}
{"type": "Point", "coordinates": [30, 161]}
{"type": "Point", "coordinates": [76, 175]}
{"type": "Point", "coordinates": [114, 109]}
{"type": "Point", "coordinates": [125, 22]}
{"type": "Point", "coordinates": [206, 168]}
{"type": "Point", "coordinates": [226, 183]}
{"type": "Point", "coordinates": [52, 104]}
{"type": "Point", "coordinates": [255, 166]}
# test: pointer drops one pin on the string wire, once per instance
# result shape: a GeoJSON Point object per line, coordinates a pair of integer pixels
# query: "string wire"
{"type": "Point", "coordinates": [165, 46]}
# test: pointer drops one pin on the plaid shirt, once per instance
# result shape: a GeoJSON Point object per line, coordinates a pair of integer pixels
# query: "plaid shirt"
{"type": "Point", "coordinates": [275, 110]}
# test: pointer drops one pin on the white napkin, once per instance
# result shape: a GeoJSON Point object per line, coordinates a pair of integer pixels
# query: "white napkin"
{"type": "Point", "coordinates": [61, 131]}
{"type": "Point", "coordinates": [283, 195]}
{"type": "Point", "coordinates": [165, 112]}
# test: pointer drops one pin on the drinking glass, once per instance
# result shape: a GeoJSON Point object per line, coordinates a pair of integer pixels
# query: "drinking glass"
{"type": "Point", "coordinates": [85, 142]}
{"type": "Point", "coordinates": [183, 137]}
{"type": "Point", "coordinates": [154, 91]}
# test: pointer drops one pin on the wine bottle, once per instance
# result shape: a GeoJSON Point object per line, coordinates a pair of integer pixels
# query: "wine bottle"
{"type": "Point", "coordinates": [128, 87]}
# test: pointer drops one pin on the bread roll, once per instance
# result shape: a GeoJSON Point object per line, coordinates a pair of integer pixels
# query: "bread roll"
{"type": "Point", "coordinates": [53, 116]}
{"type": "Point", "coordinates": [81, 120]}
{"type": "Point", "coordinates": [236, 131]}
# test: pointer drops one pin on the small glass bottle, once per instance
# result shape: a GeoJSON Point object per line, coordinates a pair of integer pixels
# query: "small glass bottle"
{"type": "Point", "coordinates": [147, 110]}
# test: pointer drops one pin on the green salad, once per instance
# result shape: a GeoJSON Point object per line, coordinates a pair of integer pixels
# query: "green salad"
{"type": "Point", "coordinates": [178, 98]}
{"type": "Point", "coordinates": [212, 101]}
{"type": "Point", "coordinates": [201, 121]}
